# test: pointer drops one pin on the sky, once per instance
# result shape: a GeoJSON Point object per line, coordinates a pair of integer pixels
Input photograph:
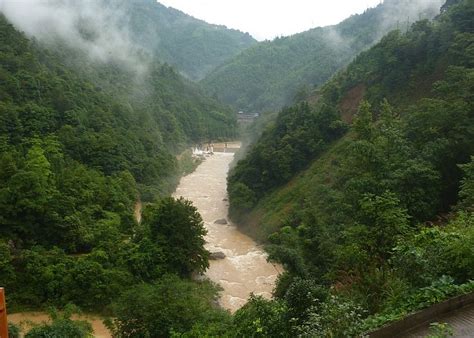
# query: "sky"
{"type": "Point", "coordinates": [267, 19]}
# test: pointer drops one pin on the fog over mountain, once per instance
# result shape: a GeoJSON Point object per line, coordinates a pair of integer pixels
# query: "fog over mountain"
{"type": "Point", "coordinates": [129, 32]}
{"type": "Point", "coordinates": [270, 74]}
{"type": "Point", "coordinates": [88, 25]}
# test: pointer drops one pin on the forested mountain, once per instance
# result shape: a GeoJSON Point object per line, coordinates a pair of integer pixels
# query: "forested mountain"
{"type": "Point", "coordinates": [81, 140]}
{"type": "Point", "coordinates": [367, 179]}
{"type": "Point", "coordinates": [191, 46]}
{"type": "Point", "coordinates": [269, 75]}
{"type": "Point", "coordinates": [370, 183]}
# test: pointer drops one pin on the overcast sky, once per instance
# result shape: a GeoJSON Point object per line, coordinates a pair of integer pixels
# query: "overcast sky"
{"type": "Point", "coordinates": [266, 19]}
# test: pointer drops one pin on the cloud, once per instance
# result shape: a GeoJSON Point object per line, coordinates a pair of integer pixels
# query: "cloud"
{"type": "Point", "coordinates": [98, 29]}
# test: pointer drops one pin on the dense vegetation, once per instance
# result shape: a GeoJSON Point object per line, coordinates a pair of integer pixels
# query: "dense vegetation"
{"type": "Point", "coordinates": [352, 215]}
{"type": "Point", "coordinates": [271, 74]}
{"type": "Point", "coordinates": [191, 45]}
{"type": "Point", "coordinates": [80, 142]}
{"type": "Point", "coordinates": [370, 179]}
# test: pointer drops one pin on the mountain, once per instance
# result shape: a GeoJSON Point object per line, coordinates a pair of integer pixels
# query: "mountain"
{"type": "Point", "coordinates": [270, 74]}
{"type": "Point", "coordinates": [192, 46]}
{"type": "Point", "coordinates": [364, 191]}
{"type": "Point", "coordinates": [87, 127]}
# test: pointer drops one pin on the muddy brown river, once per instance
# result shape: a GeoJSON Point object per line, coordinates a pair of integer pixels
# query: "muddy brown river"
{"type": "Point", "coordinates": [245, 268]}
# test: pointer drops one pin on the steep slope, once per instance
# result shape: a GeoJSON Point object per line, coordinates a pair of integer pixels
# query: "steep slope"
{"type": "Point", "coordinates": [78, 135]}
{"type": "Point", "coordinates": [81, 139]}
{"type": "Point", "coordinates": [377, 223]}
{"type": "Point", "coordinates": [192, 46]}
{"type": "Point", "coordinates": [270, 74]}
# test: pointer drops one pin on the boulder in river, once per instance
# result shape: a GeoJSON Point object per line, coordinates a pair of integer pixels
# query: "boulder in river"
{"type": "Point", "coordinates": [217, 255]}
{"type": "Point", "coordinates": [221, 221]}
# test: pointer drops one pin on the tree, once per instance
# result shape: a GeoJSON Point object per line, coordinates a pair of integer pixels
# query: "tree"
{"type": "Point", "coordinates": [467, 184]}
{"type": "Point", "coordinates": [62, 326]}
{"type": "Point", "coordinates": [262, 318]}
{"type": "Point", "coordinates": [385, 220]}
{"type": "Point", "coordinates": [177, 228]}
{"type": "Point", "coordinates": [170, 305]}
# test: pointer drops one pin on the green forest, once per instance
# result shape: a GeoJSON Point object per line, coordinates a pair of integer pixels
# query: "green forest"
{"type": "Point", "coordinates": [192, 46]}
{"type": "Point", "coordinates": [362, 188]}
{"type": "Point", "coordinates": [81, 142]}
{"type": "Point", "coordinates": [272, 74]}
{"type": "Point", "coordinates": [369, 184]}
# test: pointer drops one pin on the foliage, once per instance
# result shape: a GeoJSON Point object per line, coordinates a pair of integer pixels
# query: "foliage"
{"type": "Point", "coordinates": [13, 331]}
{"type": "Point", "coordinates": [302, 296]}
{"type": "Point", "coordinates": [440, 330]}
{"type": "Point", "coordinates": [299, 134]}
{"type": "Point", "coordinates": [177, 229]}
{"type": "Point", "coordinates": [61, 326]}
{"type": "Point", "coordinates": [467, 184]}
{"type": "Point", "coordinates": [80, 141]}
{"type": "Point", "coordinates": [269, 75]}
{"type": "Point", "coordinates": [367, 206]}
{"type": "Point", "coordinates": [170, 305]}
{"type": "Point", "coordinates": [436, 251]}
{"type": "Point", "coordinates": [349, 210]}
{"type": "Point", "coordinates": [419, 299]}
{"type": "Point", "coordinates": [333, 318]}
{"type": "Point", "coordinates": [261, 318]}
{"type": "Point", "coordinates": [166, 32]}
{"type": "Point", "coordinates": [187, 163]}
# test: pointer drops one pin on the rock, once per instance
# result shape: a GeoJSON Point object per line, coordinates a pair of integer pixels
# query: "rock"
{"type": "Point", "coordinates": [217, 255]}
{"type": "Point", "coordinates": [221, 221]}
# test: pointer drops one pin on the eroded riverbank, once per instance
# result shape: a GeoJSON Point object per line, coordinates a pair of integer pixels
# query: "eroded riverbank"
{"type": "Point", "coordinates": [245, 269]}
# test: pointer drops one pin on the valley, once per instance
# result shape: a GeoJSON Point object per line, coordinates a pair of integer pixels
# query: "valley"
{"type": "Point", "coordinates": [178, 178]}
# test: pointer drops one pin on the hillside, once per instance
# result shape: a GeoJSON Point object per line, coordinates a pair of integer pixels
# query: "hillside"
{"type": "Point", "coordinates": [363, 190]}
{"type": "Point", "coordinates": [81, 140]}
{"type": "Point", "coordinates": [191, 46]}
{"type": "Point", "coordinates": [270, 74]}
{"type": "Point", "coordinates": [370, 183]}
{"type": "Point", "coordinates": [101, 131]}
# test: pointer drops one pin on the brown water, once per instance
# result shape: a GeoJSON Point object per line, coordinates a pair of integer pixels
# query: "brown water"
{"type": "Point", "coordinates": [28, 319]}
{"type": "Point", "coordinates": [245, 268]}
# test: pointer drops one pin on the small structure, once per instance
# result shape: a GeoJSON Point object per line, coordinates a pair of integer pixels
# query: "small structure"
{"type": "Point", "coordinates": [3, 315]}
{"type": "Point", "coordinates": [246, 118]}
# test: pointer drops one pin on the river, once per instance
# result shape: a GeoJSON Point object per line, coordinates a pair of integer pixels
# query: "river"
{"type": "Point", "coordinates": [245, 269]}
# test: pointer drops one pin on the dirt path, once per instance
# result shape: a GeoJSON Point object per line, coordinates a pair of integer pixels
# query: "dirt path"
{"type": "Point", "coordinates": [27, 319]}
{"type": "Point", "coordinates": [138, 212]}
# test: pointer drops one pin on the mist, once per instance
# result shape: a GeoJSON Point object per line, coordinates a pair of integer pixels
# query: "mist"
{"type": "Point", "coordinates": [92, 26]}
{"type": "Point", "coordinates": [413, 10]}
{"type": "Point", "coordinates": [398, 14]}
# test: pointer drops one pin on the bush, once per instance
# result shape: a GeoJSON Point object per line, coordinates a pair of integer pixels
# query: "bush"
{"type": "Point", "coordinates": [62, 326]}
{"type": "Point", "coordinates": [170, 305]}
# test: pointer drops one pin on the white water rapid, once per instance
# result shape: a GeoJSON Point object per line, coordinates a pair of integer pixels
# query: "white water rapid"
{"type": "Point", "coordinates": [245, 268]}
